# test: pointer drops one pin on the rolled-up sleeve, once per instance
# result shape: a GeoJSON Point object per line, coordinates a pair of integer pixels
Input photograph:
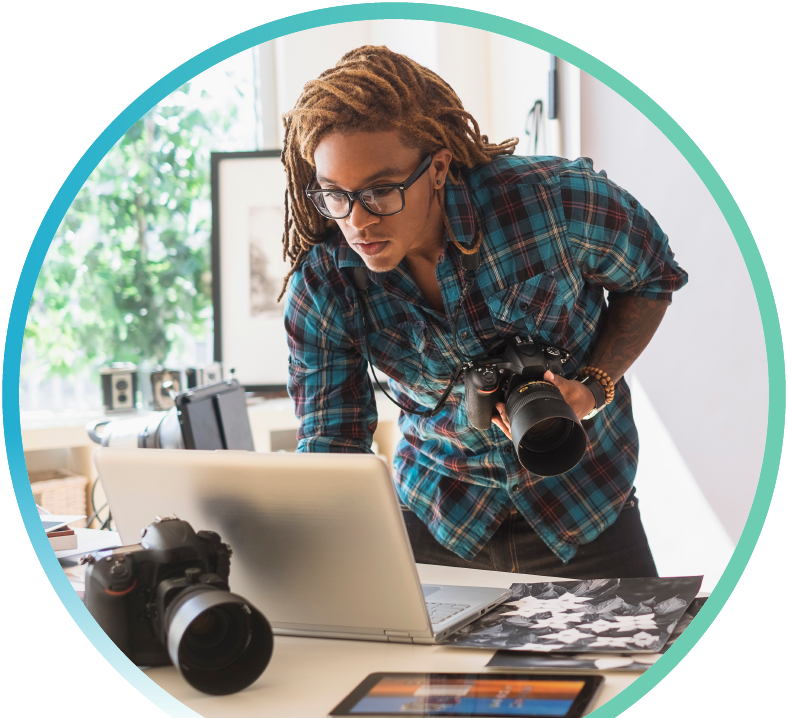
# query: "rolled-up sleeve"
{"type": "Point", "coordinates": [328, 378]}
{"type": "Point", "coordinates": [617, 243]}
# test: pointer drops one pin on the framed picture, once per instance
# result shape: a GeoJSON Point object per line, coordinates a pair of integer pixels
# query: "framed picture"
{"type": "Point", "coordinates": [247, 198]}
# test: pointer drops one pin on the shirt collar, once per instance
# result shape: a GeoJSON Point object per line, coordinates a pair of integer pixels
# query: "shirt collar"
{"type": "Point", "coordinates": [346, 255]}
{"type": "Point", "coordinates": [459, 210]}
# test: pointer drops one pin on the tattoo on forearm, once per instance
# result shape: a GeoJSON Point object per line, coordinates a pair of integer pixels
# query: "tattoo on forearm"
{"type": "Point", "coordinates": [630, 324]}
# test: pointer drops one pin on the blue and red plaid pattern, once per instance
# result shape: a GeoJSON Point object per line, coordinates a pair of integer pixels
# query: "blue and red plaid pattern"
{"type": "Point", "coordinates": [556, 235]}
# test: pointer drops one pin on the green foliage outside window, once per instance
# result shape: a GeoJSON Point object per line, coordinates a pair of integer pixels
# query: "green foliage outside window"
{"type": "Point", "coordinates": [128, 273]}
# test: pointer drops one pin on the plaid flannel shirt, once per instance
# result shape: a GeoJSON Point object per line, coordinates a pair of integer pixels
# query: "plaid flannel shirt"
{"type": "Point", "coordinates": [556, 235]}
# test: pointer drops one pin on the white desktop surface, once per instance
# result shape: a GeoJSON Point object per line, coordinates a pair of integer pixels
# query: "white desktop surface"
{"type": "Point", "coordinates": [308, 677]}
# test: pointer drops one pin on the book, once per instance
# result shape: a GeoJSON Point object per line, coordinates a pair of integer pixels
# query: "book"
{"type": "Point", "coordinates": [62, 540]}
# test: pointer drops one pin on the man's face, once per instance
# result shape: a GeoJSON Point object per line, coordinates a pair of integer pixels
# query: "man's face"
{"type": "Point", "coordinates": [359, 160]}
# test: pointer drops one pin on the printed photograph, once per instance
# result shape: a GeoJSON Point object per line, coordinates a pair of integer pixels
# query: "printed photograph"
{"type": "Point", "coordinates": [266, 268]}
{"type": "Point", "coordinates": [636, 615]}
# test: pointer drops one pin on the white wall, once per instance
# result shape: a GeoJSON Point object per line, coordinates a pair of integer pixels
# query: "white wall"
{"type": "Point", "coordinates": [498, 79]}
{"type": "Point", "coordinates": [705, 371]}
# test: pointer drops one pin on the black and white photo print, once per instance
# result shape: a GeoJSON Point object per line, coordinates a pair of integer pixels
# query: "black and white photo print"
{"type": "Point", "coordinates": [634, 615]}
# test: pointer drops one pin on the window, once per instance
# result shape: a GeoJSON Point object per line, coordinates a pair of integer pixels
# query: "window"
{"type": "Point", "coordinates": [128, 275]}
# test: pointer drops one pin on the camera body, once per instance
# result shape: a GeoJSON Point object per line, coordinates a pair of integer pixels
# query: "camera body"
{"type": "Point", "coordinates": [208, 417]}
{"type": "Point", "coordinates": [167, 600]}
{"type": "Point", "coordinates": [119, 387]}
{"type": "Point", "coordinates": [545, 431]}
{"type": "Point", "coordinates": [129, 589]}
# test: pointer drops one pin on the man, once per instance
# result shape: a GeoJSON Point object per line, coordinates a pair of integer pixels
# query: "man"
{"type": "Point", "coordinates": [390, 185]}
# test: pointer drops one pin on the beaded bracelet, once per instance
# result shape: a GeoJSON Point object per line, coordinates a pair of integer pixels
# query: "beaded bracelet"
{"type": "Point", "coordinates": [601, 378]}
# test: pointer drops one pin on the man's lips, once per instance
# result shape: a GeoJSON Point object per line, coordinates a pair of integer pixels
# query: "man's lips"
{"type": "Point", "coordinates": [370, 248]}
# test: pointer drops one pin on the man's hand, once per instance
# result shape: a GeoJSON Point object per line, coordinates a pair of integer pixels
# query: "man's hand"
{"type": "Point", "coordinates": [628, 328]}
{"type": "Point", "coordinates": [577, 395]}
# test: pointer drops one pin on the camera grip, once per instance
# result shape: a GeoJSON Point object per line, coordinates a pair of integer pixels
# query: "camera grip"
{"type": "Point", "coordinates": [481, 394]}
{"type": "Point", "coordinates": [109, 607]}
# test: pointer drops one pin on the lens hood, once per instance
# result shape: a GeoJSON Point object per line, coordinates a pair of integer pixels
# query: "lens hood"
{"type": "Point", "coordinates": [531, 404]}
{"type": "Point", "coordinates": [218, 641]}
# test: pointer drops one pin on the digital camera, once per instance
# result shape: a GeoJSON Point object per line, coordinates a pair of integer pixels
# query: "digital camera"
{"type": "Point", "coordinates": [546, 433]}
{"type": "Point", "coordinates": [167, 600]}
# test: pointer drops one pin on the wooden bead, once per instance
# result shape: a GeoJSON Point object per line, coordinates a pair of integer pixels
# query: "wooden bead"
{"type": "Point", "coordinates": [602, 378]}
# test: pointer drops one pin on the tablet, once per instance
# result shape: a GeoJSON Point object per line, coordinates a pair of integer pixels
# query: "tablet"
{"type": "Point", "coordinates": [470, 694]}
{"type": "Point", "coordinates": [53, 522]}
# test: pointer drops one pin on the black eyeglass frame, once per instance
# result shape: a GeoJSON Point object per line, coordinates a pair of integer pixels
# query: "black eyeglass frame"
{"type": "Point", "coordinates": [353, 196]}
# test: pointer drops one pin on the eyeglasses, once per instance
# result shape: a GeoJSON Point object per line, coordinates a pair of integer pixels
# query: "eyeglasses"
{"type": "Point", "coordinates": [383, 200]}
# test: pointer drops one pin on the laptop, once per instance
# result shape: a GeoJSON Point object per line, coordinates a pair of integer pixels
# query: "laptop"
{"type": "Point", "coordinates": [319, 544]}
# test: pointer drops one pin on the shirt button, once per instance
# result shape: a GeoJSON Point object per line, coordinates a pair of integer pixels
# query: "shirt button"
{"type": "Point", "coordinates": [523, 305]}
{"type": "Point", "coordinates": [465, 335]}
{"type": "Point", "coordinates": [508, 449]}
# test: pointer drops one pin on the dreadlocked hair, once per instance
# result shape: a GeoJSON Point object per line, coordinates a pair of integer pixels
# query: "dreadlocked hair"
{"type": "Point", "coordinates": [374, 89]}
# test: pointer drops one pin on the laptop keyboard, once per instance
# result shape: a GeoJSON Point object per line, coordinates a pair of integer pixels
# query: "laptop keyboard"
{"type": "Point", "coordinates": [440, 611]}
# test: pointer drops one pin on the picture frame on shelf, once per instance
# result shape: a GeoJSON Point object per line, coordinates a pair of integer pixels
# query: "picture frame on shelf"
{"type": "Point", "coordinates": [247, 201]}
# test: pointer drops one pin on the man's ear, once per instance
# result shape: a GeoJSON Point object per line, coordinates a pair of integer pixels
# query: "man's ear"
{"type": "Point", "coordinates": [441, 159]}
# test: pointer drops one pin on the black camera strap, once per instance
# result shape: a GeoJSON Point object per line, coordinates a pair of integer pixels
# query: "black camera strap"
{"type": "Point", "coordinates": [469, 274]}
{"type": "Point", "coordinates": [360, 275]}
{"type": "Point", "coordinates": [470, 265]}
{"type": "Point", "coordinates": [426, 413]}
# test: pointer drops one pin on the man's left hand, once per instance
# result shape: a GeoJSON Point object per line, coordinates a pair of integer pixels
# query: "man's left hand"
{"type": "Point", "coordinates": [577, 395]}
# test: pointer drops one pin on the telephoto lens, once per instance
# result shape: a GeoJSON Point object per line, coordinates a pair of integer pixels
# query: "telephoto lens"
{"type": "Point", "coordinates": [546, 432]}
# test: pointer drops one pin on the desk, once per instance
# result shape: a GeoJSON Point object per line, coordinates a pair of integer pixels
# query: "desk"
{"type": "Point", "coordinates": [307, 677]}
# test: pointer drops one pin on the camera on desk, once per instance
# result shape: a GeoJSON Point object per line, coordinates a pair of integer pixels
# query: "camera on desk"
{"type": "Point", "coordinates": [167, 600]}
{"type": "Point", "coordinates": [119, 387]}
{"type": "Point", "coordinates": [203, 374]}
{"type": "Point", "coordinates": [159, 385]}
{"type": "Point", "coordinates": [208, 417]}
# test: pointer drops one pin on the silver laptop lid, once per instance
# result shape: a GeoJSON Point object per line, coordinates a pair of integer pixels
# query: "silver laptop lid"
{"type": "Point", "coordinates": [318, 539]}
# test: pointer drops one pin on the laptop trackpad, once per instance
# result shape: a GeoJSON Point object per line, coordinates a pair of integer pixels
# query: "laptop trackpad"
{"type": "Point", "coordinates": [427, 589]}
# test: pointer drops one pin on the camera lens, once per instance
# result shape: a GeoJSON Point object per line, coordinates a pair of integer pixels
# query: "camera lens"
{"type": "Point", "coordinates": [218, 641]}
{"type": "Point", "coordinates": [216, 638]}
{"type": "Point", "coordinates": [548, 436]}
{"type": "Point", "coordinates": [122, 385]}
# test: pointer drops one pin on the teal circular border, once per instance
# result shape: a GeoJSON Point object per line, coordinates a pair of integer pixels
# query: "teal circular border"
{"type": "Point", "coordinates": [395, 11]}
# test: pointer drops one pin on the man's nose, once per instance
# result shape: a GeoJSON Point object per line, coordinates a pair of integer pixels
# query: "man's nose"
{"type": "Point", "coordinates": [360, 217]}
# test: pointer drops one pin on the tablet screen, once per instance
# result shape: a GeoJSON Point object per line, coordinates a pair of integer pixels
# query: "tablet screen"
{"type": "Point", "coordinates": [479, 694]}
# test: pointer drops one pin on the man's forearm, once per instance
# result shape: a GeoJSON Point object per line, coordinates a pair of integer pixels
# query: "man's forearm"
{"type": "Point", "coordinates": [629, 326]}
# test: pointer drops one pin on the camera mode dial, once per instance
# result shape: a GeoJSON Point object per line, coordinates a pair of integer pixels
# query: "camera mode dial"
{"type": "Point", "coordinates": [120, 574]}
{"type": "Point", "coordinates": [485, 378]}
{"type": "Point", "coordinates": [488, 376]}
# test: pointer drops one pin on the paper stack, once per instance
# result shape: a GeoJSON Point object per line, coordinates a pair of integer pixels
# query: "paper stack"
{"type": "Point", "coordinates": [637, 617]}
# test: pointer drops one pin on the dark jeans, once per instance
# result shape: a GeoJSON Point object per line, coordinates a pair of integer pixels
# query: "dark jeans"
{"type": "Point", "coordinates": [621, 551]}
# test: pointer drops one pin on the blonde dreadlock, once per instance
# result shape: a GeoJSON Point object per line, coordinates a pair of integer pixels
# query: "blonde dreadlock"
{"type": "Point", "coordinates": [373, 89]}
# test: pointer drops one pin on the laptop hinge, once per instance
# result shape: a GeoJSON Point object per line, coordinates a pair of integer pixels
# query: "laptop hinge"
{"type": "Point", "coordinates": [398, 636]}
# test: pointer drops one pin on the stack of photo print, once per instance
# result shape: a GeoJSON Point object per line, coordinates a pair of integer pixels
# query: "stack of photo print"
{"type": "Point", "coordinates": [601, 624]}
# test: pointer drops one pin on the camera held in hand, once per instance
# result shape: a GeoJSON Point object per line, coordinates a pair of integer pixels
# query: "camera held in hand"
{"type": "Point", "coordinates": [167, 600]}
{"type": "Point", "coordinates": [545, 431]}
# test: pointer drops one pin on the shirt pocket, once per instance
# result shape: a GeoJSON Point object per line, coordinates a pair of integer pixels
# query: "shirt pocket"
{"type": "Point", "coordinates": [398, 352]}
{"type": "Point", "coordinates": [533, 307]}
